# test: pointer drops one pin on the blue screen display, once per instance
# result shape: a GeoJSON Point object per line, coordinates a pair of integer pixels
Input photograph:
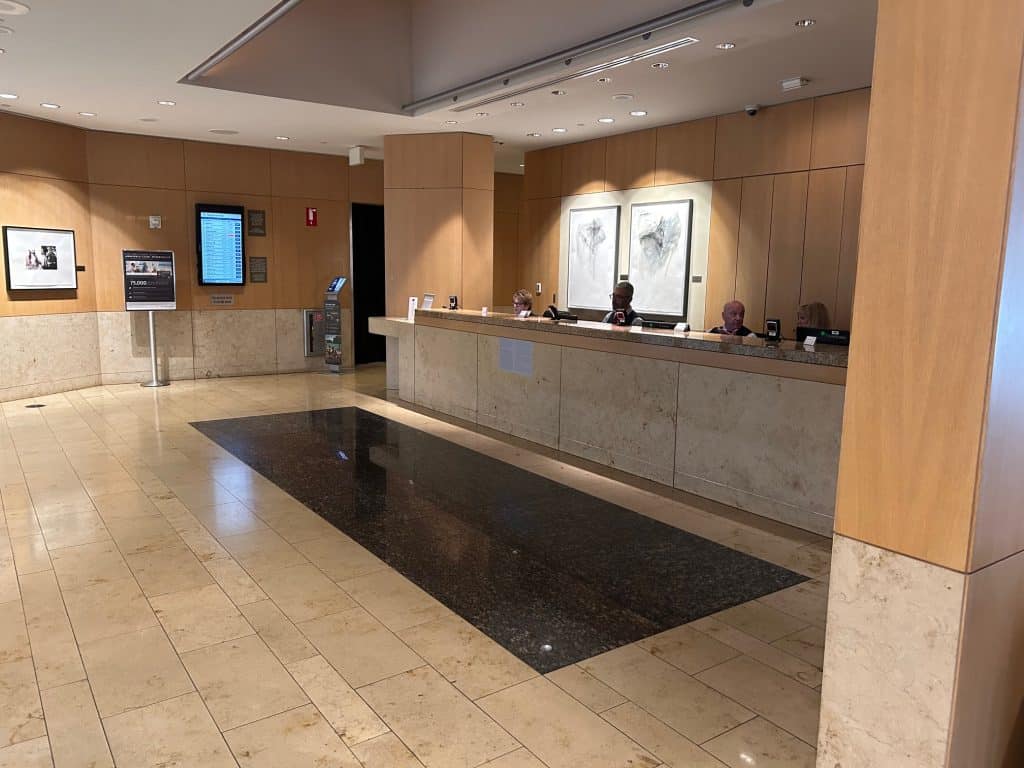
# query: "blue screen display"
{"type": "Point", "coordinates": [220, 242]}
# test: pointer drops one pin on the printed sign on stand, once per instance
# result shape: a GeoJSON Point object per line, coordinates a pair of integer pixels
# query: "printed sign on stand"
{"type": "Point", "coordinates": [148, 280]}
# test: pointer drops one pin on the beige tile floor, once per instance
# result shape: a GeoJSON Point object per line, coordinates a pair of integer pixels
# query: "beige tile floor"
{"type": "Point", "coordinates": [163, 605]}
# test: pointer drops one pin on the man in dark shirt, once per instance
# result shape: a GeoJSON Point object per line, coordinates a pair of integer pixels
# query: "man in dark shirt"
{"type": "Point", "coordinates": [622, 310]}
{"type": "Point", "coordinates": [732, 320]}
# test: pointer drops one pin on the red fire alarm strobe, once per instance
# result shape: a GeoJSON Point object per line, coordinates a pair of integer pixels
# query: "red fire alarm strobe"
{"type": "Point", "coordinates": [311, 217]}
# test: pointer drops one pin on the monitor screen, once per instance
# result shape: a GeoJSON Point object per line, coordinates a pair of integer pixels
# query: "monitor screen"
{"type": "Point", "coordinates": [220, 245]}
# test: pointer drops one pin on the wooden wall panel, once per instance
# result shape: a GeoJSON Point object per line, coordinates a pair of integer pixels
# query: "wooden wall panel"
{"type": "Point", "coordinates": [752, 248]}
{"type": "Point", "coordinates": [423, 161]}
{"type": "Point", "coordinates": [303, 174]}
{"type": "Point", "coordinates": [723, 247]}
{"type": "Point", "coordinates": [477, 161]}
{"type": "Point", "coordinates": [786, 250]}
{"type": "Point", "coordinates": [423, 242]}
{"type": "Point", "coordinates": [540, 247]}
{"type": "Point", "coordinates": [823, 237]}
{"type": "Point", "coordinates": [924, 401]}
{"type": "Point", "coordinates": [508, 192]}
{"type": "Point", "coordinates": [840, 129]}
{"type": "Point", "coordinates": [583, 167]}
{"type": "Point", "coordinates": [250, 295]}
{"type": "Point", "coordinates": [630, 159]}
{"type": "Point", "coordinates": [843, 316]}
{"type": "Point", "coordinates": [366, 182]}
{"type": "Point", "coordinates": [226, 168]}
{"type": "Point", "coordinates": [305, 258]}
{"type": "Point", "coordinates": [125, 160]}
{"type": "Point", "coordinates": [34, 201]}
{"type": "Point", "coordinates": [477, 248]}
{"type": "Point", "coordinates": [686, 152]}
{"type": "Point", "coordinates": [776, 140]}
{"type": "Point", "coordinates": [543, 176]}
{"type": "Point", "coordinates": [40, 148]}
{"type": "Point", "coordinates": [120, 219]}
{"type": "Point", "coordinates": [507, 267]}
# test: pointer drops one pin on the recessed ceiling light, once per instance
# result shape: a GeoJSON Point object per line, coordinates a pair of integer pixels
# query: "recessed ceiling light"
{"type": "Point", "coordinates": [638, 113]}
{"type": "Point", "coordinates": [726, 46]}
{"type": "Point", "coordinates": [283, 138]}
{"type": "Point", "coordinates": [559, 130]}
{"type": "Point", "coordinates": [533, 135]}
{"type": "Point", "coordinates": [451, 122]}
{"type": "Point", "coordinates": [659, 65]}
{"type": "Point", "coordinates": [482, 114]}
{"type": "Point", "coordinates": [604, 80]}
{"type": "Point", "coordinates": [606, 119]}
{"type": "Point", "coordinates": [522, 165]}
{"type": "Point", "coordinates": [11, 96]}
{"type": "Point", "coordinates": [622, 97]}
{"type": "Point", "coordinates": [166, 103]}
{"type": "Point", "coordinates": [87, 114]}
{"type": "Point", "coordinates": [558, 92]}
{"type": "Point", "coordinates": [224, 131]}
{"type": "Point", "coordinates": [12, 8]}
{"type": "Point", "coordinates": [804, 23]}
{"type": "Point", "coordinates": [48, 105]}
{"type": "Point", "coordinates": [517, 104]}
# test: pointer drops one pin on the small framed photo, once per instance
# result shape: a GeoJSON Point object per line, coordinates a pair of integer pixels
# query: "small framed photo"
{"type": "Point", "coordinates": [256, 223]}
{"type": "Point", "coordinates": [39, 259]}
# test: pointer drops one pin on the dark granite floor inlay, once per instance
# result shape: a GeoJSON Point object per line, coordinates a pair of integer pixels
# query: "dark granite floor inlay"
{"type": "Point", "coordinates": [528, 561]}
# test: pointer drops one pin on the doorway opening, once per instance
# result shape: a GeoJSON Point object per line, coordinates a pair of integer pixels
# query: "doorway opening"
{"type": "Point", "coordinates": [368, 296]}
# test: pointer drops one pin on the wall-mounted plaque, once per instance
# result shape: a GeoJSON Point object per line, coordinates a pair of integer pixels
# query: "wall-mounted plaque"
{"type": "Point", "coordinates": [256, 225]}
{"type": "Point", "coordinates": [222, 299]}
{"type": "Point", "coordinates": [257, 269]}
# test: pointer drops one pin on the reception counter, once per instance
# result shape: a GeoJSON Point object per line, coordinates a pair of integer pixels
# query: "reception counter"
{"type": "Point", "coordinates": [752, 425]}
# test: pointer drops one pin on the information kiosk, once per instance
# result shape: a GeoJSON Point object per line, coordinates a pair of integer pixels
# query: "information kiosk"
{"type": "Point", "coordinates": [332, 324]}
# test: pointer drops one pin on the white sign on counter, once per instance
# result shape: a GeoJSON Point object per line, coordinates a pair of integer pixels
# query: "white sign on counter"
{"type": "Point", "coordinates": [516, 356]}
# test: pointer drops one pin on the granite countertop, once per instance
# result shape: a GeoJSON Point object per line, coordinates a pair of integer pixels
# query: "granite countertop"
{"type": "Point", "coordinates": [789, 351]}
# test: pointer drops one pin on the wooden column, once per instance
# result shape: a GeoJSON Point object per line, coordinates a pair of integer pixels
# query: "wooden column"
{"type": "Point", "coordinates": [924, 661]}
{"type": "Point", "coordinates": [439, 218]}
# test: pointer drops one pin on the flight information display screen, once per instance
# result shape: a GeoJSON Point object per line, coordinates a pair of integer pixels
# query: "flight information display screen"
{"type": "Point", "coordinates": [220, 244]}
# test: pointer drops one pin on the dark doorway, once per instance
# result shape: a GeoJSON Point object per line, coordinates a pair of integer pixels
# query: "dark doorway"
{"type": "Point", "coordinates": [367, 280]}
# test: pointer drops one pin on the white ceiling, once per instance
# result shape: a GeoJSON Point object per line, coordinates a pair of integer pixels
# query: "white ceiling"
{"type": "Point", "coordinates": [119, 58]}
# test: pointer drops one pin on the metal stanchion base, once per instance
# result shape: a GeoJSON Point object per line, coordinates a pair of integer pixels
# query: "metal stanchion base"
{"type": "Point", "coordinates": [156, 384]}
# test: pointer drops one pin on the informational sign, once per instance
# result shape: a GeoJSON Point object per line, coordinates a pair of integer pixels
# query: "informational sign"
{"type": "Point", "coordinates": [148, 280]}
{"type": "Point", "coordinates": [221, 261]}
{"type": "Point", "coordinates": [516, 356]}
{"type": "Point", "coordinates": [311, 217]}
{"type": "Point", "coordinates": [222, 299]}
{"type": "Point", "coordinates": [256, 223]}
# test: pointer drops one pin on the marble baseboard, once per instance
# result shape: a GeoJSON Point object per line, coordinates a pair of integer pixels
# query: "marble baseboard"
{"type": "Point", "coordinates": [808, 520]}
{"type": "Point", "coordinates": [124, 346]}
{"type": "Point", "coordinates": [890, 659]}
{"type": "Point", "coordinates": [44, 354]}
{"type": "Point", "coordinates": [291, 344]}
{"type": "Point", "coordinates": [233, 342]}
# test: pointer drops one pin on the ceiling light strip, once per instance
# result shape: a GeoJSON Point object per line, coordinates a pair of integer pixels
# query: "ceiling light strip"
{"type": "Point", "coordinates": [247, 34]}
{"type": "Point", "coordinates": [477, 88]}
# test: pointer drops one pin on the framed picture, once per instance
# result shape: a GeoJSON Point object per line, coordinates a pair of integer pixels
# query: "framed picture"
{"type": "Point", "coordinates": [256, 222]}
{"type": "Point", "coordinates": [659, 256]}
{"type": "Point", "coordinates": [39, 259]}
{"type": "Point", "coordinates": [593, 250]}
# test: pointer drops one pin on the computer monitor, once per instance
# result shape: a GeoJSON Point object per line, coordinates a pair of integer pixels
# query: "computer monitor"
{"type": "Point", "coordinates": [824, 335]}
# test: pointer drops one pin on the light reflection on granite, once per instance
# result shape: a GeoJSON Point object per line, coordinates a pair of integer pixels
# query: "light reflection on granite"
{"type": "Point", "coordinates": [791, 351]}
{"type": "Point", "coordinates": [526, 560]}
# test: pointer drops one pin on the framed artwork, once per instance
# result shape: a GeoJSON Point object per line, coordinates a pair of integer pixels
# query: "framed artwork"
{"type": "Point", "coordinates": [659, 256]}
{"type": "Point", "coordinates": [39, 259]}
{"type": "Point", "coordinates": [593, 250]}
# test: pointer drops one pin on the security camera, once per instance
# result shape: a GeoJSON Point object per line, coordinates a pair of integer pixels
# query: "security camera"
{"type": "Point", "coordinates": [752, 109]}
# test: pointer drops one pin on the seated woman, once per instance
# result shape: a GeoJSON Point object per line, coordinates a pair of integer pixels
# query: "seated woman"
{"type": "Point", "coordinates": [813, 315]}
{"type": "Point", "coordinates": [522, 301]}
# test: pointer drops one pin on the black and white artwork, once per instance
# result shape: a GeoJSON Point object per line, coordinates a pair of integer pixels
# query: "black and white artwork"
{"type": "Point", "coordinates": [659, 256]}
{"type": "Point", "coordinates": [39, 259]}
{"type": "Point", "coordinates": [593, 248]}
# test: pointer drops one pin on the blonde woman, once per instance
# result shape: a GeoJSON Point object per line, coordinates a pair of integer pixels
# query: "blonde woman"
{"type": "Point", "coordinates": [813, 315]}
